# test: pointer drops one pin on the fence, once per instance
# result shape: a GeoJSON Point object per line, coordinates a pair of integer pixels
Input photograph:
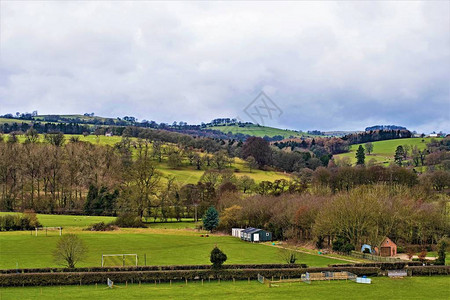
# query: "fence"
{"type": "Point", "coordinates": [374, 257]}
{"type": "Point", "coordinates": [308, 277]}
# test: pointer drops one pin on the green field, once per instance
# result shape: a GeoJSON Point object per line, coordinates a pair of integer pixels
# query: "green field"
{"type": "Point", "coordinates": [260, 131]}
{"type": "Point", "coordinates": [383, 151]}
{"type": "Point", "coordinates": [161, 247]}
{"type": "Point", "coordinates": [381, 288]}
{"type": "Point", "coordinates": [162, 243]}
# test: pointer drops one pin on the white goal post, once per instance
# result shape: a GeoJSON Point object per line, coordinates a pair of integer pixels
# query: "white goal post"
{"type": "Point", "coordinates": [119, 260]}
{"type": "Point", "coordinates": [36, 229]}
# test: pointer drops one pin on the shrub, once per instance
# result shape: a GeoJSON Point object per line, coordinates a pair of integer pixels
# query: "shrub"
{"type": "Point", "coordinates": [217, 257]}
{"type": "Point", "coordinates": [342, 245]}
{"type": "Point", "coordinates": [422, 255]}
{"type": "Point", "coordinates": [102, 227]}
{"type": "Point", "coordinates": [129, 220]}
{"type": "Point", "coordinates": [288, 255]}
{"type": "Point", "coordinates": [26, 221]}
{"type": "Point", "coordinates": [347, 248]}
{"type": "Point", "coordinates": [367, 250]}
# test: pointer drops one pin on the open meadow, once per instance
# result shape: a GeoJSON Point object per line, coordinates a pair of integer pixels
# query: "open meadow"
{"type": "Point", "coordinates": [381, 288]}
{"type": "Point", "coordinates": [383, 151]}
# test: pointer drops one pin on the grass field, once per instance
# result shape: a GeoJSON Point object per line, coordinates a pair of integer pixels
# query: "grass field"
{"type": "Point", "coordinates": [161, 247]}
{"type": "Point", "coordinates": [162, 243]}
{"type": "Point", "coordinates": [381, 288]}
{"type": "Point", "coordinates": [383, 151]}
{"type": "Point", "coordinates": [260, 131]}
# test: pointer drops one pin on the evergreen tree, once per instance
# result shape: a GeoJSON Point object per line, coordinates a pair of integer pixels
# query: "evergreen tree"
{"type": "Point", "coordinates": [442, 247]}
{"type": "Point", "coordinates": [211, 219]}
{"type": "Point", "coordinates": [217, 257]}
{"type": "Point", "coordinates": [360, 155]}
{"type": "Point", "coordinates": [399, 155]}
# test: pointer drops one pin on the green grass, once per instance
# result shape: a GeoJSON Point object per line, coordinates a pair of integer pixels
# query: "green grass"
{"type": "Point", "coordinates": [189, 174]}
{"type": "Point", "coordinates": [260, 131]}
{"type": "Point", "coordinates": [162, 247]}
{"type": "Point", "coordinates": [163, 244]}
{"type": "Point", "coordinates": [383, 151]}
{"type": "Point", "coordinates": [68, 220]}
{"type": "Point", "coordinates": [381, 288]}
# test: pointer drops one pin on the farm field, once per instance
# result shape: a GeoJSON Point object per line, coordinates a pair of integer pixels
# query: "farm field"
{"type": "Point", "coordinates": [381, 288]}
{"type": "Point", "coordinates": [383, 151]}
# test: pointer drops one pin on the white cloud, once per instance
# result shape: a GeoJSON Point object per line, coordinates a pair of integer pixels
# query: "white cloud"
{"type": "Point", "coordinates": [328, 65]}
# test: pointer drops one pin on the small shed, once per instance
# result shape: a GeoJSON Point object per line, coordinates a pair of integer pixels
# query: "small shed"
{"type": "Point", "coordinates": [255, 235]}
{"type": "Point", "coordinates": [388, 248]}
{"type": "Point", "coordinates": [236, 232]}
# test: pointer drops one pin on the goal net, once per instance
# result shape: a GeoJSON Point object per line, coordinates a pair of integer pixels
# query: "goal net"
{"type": "Point", "coordinates": [119, 260]}
{"type": "Point", "coordinates": [48, 231]}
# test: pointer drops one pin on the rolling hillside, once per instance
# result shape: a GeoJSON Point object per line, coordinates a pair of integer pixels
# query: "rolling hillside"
{"type": "Point", "coordinates": [383, 151]}
{"type": "Point", "coordinates": [185, 174]}
{"type": "Point", "coordinates": [259, 131]}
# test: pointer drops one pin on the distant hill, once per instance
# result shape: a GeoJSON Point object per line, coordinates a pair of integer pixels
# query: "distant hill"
{"type": "Point", "coordinates": [259, 131]}
{"type": "Point", "coordinates": [385, 127]}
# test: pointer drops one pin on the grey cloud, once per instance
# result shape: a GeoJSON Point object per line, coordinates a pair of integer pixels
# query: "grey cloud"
{"type": "Point", "coordinates": [328, 65]}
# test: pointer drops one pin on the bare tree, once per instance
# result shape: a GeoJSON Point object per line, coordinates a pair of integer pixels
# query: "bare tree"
{"type": "Point", "coordinates": [70, 250]}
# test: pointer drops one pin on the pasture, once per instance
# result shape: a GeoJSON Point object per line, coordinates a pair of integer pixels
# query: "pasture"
{"type": "Point", "coordinates": [383, 151]}
{"type": "Point", "coordinates": [381, 288]}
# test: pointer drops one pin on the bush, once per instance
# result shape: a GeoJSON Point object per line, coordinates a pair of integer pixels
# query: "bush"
{"type": "Point", "coordinates": [26, 221]}
{"type": "Point", "coordinates": [129, 220]}
{"type": "Point", "coordinates": [367, 250]}
{"type": "Point", "coordinates": [347, 248]}
{"type": "Point", "coordinates": [102, 227]}
{"type": "Point", "coordinates": [422, 255]}
{"type": "Point", "coordinates": [217, 257]}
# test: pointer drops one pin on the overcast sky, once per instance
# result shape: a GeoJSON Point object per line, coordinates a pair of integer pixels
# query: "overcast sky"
{"type": "Point", "coordinates": [326, 65]}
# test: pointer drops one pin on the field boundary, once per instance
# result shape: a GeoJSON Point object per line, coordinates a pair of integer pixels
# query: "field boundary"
{"type": "Point", "coordinates": [80, 278]}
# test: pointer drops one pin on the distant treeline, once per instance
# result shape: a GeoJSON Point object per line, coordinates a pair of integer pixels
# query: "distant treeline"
{"type": "Point", "coordinates": [385, 127]}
